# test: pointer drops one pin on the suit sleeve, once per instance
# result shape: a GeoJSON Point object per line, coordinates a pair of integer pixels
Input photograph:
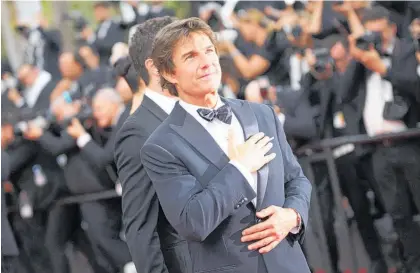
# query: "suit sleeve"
{"type": "Point", "coordinates": [53, 37]}
{"type": "Point", "coordinates": [140, 205]}
{"type": "Point", "coordinates": [194, 210]}
{"type": "Point", "coordinates": [5, 166]}
{"type": "Point", "coordinates": [296, 186]}
{"type": "Point", "coordinates": [403, 71]}
{"type": "Point", "coordinates": [21, 155]}
{"type": "Point", "coordinates": [97, 155]}
{"type": "Point", "coordinates": [56, 145]}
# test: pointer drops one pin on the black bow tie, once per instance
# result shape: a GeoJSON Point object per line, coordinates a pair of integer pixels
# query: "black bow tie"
{"type": "Point", "coordinates": [223, 114]}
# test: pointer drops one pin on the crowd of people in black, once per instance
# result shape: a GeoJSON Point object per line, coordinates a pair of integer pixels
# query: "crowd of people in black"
{"type": "Point", "coordinates": [328, 69]}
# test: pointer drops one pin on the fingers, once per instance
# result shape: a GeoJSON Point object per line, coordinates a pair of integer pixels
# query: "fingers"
{"type": "Point", "coordinates": [257, 228]}
{"type": "Point", "coordinates": [270, 247]}
{"type": "Point", "coordinates": [255, 138]}
{"type": "Point", "coordinates": [268, 158]}
{"type": "Point", "coordinates": [258, 235]}
{"type": "Point", "coordinates": [264, 141]}
{"type": "Point", "coordinates": [262, 243]}
{"type": "Point", "coordinates": [266, 212]}
{"type": "Point", "coordinates": [267, 148]}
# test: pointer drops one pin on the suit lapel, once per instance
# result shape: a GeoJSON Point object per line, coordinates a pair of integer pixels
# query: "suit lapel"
{"type": "Point", "coordinates": [193, 132]}
{"type": "Point", "coordinates": [154, 108]}
{"type": "Point", "coordinates": [249, 123]}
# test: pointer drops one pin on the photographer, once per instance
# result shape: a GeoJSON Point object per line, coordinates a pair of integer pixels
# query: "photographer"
{"type": "Point", "coordinates": [44, 46]}
{"type": "Point", "coordinates": [387, 76]}
{"type": "Point", "coordinates": [102, 217]}
{"type": "Point", "coordinates": [415, 34]}
{"type": "Point", "coordinates": [38, 86]}
{"type": "Point", "coordinates": [260, 59]}
{"type": "Point", "coordinates": [109, 112]}
{"type": "Point", "coordinates": [106, 35]}
{"type": "Point", "coordinates": [38, 182]}
{"type": "Point", "coordinates": [353, 162]}
{"type": "Point", "coordinates": [78, 78]}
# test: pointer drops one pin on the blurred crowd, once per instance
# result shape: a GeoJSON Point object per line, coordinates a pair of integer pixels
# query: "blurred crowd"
{"type": "Point", "coordinates": [329, 69]}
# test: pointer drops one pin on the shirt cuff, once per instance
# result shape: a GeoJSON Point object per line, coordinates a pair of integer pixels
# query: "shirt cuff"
{"type": "Point", "coordinates": [83, 140]}
{"type": "Point", "coordinates": [282, 118]}
{"type": "Point", "coordinates": [20, 103]}
{"type": "Point", "coordinates": [297, 229]}
{"type": "Point", "coordinates": [247, 174]}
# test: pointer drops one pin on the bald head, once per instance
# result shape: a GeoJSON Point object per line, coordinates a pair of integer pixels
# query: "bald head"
{"type": "Point", "coordinates": [107, 95]}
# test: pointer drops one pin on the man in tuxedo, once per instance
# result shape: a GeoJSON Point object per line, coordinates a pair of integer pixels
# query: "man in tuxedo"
{"type": "Point", "coordinates": [154, 245]}
{"type": "Point", "coordinates": [223, 171]}
{"type": "Point", "coordinates": [38, 85]}
{"type": "Point", "coordinates": [107, 33]}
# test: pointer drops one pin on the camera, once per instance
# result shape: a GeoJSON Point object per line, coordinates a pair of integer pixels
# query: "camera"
{"type": "Point", "coordinates": [417, 44]}
{"type": "Point", "coordinates": [370, 39]}
{"type": "Point", "coordinates": [40, 119]}
{"type": "Point", "coordinates": [79, 22]}
{"type": "Point", "coordinates": [323, 60]}
{"type": "Point", "coordinates": [84, 114]}
{"type": "Point", "coordinates": [295, 31]}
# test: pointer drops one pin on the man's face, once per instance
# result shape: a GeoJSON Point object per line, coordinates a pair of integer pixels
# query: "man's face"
{"type": "Point", "coordinates": [339, 54]}
{"type": "Point", "coordinates": [124, 90]}
{"type": "Point", "coordinates": [415, 29]}
{"type": "Point", "coordinates": [26, 75]}
{"type": "Point", "coordinates": [382, 26]}
{"type": "Point", "coordinates": [197, 69]}
{"type": "Point", "coordinates": [101, 13]}
{"type": "Point", "coordinates": [104, 112]}
{"type": "Point", "coordinates": [247, 30]}
{"type": "Point", "coordinates": [68, 66]}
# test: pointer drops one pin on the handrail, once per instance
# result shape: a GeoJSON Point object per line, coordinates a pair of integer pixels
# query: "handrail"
{"type": "Point", "coordinates": [356, 139]}
{"type": "Point", "coordinates": [315, 146]}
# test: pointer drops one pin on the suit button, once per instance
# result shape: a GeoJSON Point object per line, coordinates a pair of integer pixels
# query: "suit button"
{"type": "Point", "coordinates": [237, 207]}
{"type": "Point", "coordinates": [245, 199]}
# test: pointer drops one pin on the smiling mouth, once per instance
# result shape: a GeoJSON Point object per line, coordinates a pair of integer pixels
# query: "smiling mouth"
{"type": "Point", "coordinates": [209, 74]}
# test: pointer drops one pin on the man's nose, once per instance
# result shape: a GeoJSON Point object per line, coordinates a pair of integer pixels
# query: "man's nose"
{"type": "Point", "coordinates": [205, 61]}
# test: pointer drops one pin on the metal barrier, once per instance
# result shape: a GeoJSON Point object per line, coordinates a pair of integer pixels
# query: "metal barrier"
{"type": "Point", "coordinates": [323, 151]}
{"type": "Point", "coordinates": [308, 154]}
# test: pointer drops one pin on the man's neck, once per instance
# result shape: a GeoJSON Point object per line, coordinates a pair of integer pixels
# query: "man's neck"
{"type": "Point", "coordinates": [136, 101]}
{"type": "Point", "coordinates": [156, 87]}
{"type": "Point", "coordinates": [260, 38]}
{"type": "Point", "coordinates": [208, 101]}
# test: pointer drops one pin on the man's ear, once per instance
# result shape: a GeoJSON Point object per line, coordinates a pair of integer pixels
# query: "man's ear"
{"type": "Point", "coordinates": [152, 69]}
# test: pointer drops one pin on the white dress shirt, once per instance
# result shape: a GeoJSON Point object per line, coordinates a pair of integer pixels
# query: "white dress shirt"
{"type": "Point", "coordinates": [31, 94]}
{"type": "Point", "coordinates": [166, 103]}
{"type": "Point", "coordinates": [378, 92]}
{"type": "Point", "coordinates": [219, 131]}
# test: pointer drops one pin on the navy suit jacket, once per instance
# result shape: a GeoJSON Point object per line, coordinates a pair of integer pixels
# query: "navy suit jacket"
{"type": "Point", "coordinates": [208, 201]}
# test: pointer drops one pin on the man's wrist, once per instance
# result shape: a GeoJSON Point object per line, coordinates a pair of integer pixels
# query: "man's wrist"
{"type": "Point", "coordinates": [298, 221]}
{"type": "Point", "coordinates": [83, 140]}
{"type": "Point", "coordinates": [382, 68]}
{"type": "Point", "coordinates": [19, 103]}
